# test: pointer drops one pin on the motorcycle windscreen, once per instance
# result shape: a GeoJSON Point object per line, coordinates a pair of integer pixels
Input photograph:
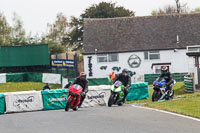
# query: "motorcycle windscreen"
{"type": "Point", "coordinates": [77, 87]}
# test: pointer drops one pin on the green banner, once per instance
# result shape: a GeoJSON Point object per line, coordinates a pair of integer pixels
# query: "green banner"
{"type": "Point", "coordinates": [54, 99]}
{"type": "Point", "coordinates": [15, 77]}
{"type": "Point", "coordinates": [33, 77]}
{"type": "Point", "coordinates": [96, 81]}
{"type": "Point", "coordinates": [2, 103]}
{"type": "Point", "coordinates": [138, 91]}
{"type": "Point", "coordinates": [28, 55]}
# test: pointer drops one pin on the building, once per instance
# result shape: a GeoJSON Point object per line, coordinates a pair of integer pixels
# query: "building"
{"type": "Point", "coordinates": [140, 44]}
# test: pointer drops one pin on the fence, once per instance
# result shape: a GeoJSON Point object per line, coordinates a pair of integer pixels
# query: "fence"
{"type": "Point", "coordinates": [150, 78]}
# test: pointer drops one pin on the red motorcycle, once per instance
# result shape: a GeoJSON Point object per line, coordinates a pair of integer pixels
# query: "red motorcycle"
{"type": "Point", "coordinates": [74, 97]}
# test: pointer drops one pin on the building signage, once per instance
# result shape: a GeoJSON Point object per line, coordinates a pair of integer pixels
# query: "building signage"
{"type": "Point", "coordinates": [134, 61]}
{"type": "Point", "coordinates": [62, 63]}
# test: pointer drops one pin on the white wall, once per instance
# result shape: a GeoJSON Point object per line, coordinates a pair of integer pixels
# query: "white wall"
{"type": "Point", "coordinates": [178, 60]}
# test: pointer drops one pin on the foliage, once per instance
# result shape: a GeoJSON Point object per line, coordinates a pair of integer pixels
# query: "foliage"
{"type": "Point", "coordinates": [18, 34]}
{"type": "Point", "coordinates": [56, 34]}
{"type": "Point", "coordinates": [172, 9]}
{"type": "Point", "coordinates": [5, 31]}
{"type": "Point", "coordinates": [196, 10]}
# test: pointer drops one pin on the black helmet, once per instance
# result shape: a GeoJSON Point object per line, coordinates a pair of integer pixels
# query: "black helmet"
{"type": "Point", "coordinates": [125, 72]}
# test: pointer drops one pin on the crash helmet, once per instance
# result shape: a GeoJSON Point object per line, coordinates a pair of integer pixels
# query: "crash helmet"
{"type": "Point", "coordinates": [124, 72]}
{"type": "Point", "coordinates": [164, 69]}
{"type": "Point", "coordinates": [83, 75]}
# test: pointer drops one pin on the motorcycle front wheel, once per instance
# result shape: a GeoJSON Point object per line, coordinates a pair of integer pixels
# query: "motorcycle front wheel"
{"type": "Point", "coordinates": [68, 104]}
{"type": "Point", "coordinates": [111, 100]}
{"type": "Point", "coordinates": [156, 96]}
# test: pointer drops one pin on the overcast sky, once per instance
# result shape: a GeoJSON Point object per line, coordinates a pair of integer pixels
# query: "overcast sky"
{"type": "Point", "coordinates": [35, 14]}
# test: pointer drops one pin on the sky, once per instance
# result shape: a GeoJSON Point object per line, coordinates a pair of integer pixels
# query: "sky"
{"type": "Point", "coordinates": [35, 14]}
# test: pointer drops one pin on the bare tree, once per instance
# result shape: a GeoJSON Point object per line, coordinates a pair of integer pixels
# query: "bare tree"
{"type": "Point", "coordinates": [180, 8]}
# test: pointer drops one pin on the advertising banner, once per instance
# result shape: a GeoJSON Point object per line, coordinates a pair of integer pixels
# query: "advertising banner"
{"type": "Point", "coordinates": [62, 63]}
{"type": "Point", "coordinates": [54, 99]}
{"type": "Point", "coordinates": [3, 78]}
{"type": "Point", "coordinates": [51, 78]}
{"type": "Point", "coordinates": [97, 96]}
{"type": "Point", "coordinates": [138, 91]}
{"type": "Point", "coordinates": [23, 101]}
{"type": "Point", "coordinates": [2, 103]}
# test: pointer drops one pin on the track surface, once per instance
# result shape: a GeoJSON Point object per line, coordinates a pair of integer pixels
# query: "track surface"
{"type": "Point", "coordinates": [125, 119]}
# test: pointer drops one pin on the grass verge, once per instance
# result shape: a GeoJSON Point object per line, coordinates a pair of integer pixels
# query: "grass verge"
{"type": "Point", "coordinates": [183, 103]}
{"type": "Point", "coordinates": [24, 86]}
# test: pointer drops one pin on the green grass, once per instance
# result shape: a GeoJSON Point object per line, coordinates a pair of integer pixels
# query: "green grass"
{"type": "Point", "coordinates": [184, 103]}
{"type": "Point", "coordinates": [24, 86]}
{"type": "Point", "coordinates": [187, 105]}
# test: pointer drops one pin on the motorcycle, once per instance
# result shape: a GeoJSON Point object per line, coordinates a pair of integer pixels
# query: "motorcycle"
{"type": "Point", "coordinates": [117, 94]}
{"type": "Point", "coordinates": [74, 97]}
{"type": "Point", "coordinates": [161, 92]}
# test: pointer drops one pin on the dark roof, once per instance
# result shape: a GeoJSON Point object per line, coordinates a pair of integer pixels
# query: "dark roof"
{"type": "Point", "coordinates": [141, 33]}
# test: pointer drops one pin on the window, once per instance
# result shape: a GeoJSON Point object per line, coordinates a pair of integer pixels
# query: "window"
{"type": "Point", "coordinates": [107, 58]}
{"type": "Point", "coordinates": [151, 55]}
{"type": "Point", "coordinates": [102, 58]}
{"type": "Point", "coordinates": [113, 57]}
{"type": "Point", "coordinates": [157, 69]}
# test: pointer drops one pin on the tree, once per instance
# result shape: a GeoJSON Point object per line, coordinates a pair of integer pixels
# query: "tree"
{"type": "Point", "coordinates": [5, 30]}
{"type": "Point", "coordinates": [172, 9]}
{"type": "Point", "coordinates": [196, 10]}
{"type": "Point", "coordinates": [101, 10]}
{"type": "Point", "coordinates": [56, 34]}
{"type": "Point", "coordinates": [18, 34]}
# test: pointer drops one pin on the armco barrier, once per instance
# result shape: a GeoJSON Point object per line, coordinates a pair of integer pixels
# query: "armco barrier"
{"type": "Point", "coordinates": [96, 81]}
{"type": "Point", "coordinates": [54, 99]}
{"type": "Point", "coordinates": [2, 103]}
{"type": "Point", "coordinates": [23, 101]}
{"type": "Point", "coordinates": [138, 91]}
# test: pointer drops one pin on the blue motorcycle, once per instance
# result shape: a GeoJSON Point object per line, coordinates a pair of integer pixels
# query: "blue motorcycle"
{"type": "Point", "coordinates": [161, 92]}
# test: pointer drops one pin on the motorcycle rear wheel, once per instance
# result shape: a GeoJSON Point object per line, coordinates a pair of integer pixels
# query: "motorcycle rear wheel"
{"type": "Point", "coordinates": [68, 104]}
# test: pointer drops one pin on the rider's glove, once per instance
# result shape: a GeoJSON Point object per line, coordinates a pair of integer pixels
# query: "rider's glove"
{"type": "Point", "coordinates": [83, 94]}
{"type": "Point", "coordinates": [125, 88]}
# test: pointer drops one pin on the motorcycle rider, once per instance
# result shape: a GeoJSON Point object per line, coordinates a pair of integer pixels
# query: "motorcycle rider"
{"type": "Point", "coordinates": [167, 76]}
{"type": "Point", "coordinates": [125, 78]}
{"type": "Point", "coordinates": [46, 87]}
{"type": "Point", "coordinates": [83, 82]}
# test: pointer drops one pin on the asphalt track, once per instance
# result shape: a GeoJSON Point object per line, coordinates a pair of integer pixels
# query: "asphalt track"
{"type": "Point", "coordinates": [125, 119]}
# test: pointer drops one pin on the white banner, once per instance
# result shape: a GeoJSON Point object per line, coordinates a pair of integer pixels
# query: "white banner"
{"type": "Point", "coordinates": [97, 96]}
{"type": "Point", "coordinates": [23, 101]}
{"type": "Point", "coordinates": [3, 78]}
{"type": "Point", "coordinates": [64, 82]}
{"type": "Point", "coordinates": [51, 78]}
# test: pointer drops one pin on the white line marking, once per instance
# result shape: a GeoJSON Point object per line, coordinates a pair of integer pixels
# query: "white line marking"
{"type": "Point", "coordinates": [188, 117]}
